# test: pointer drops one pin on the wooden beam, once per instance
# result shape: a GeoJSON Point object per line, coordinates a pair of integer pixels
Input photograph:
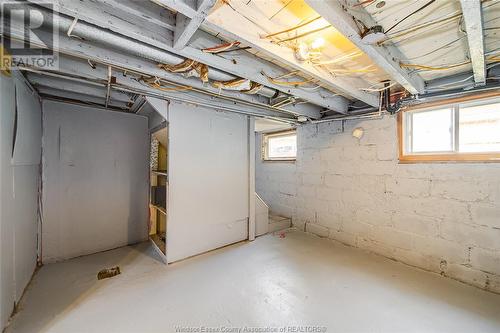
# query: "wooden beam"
{"type": "Point", "coordinates": [228, 23]}
{"type": "Point", "coordinates": [185, 7]}
{"type": "Point", "coordinates": [79, 70]}
{"type": "Point", "coordinates": [473, 18]}
{"type": "Point", "coordinates": [385, 57]}
{"type": "Point", "coordinates": [78, 87]}
{"type": "Point", "coordinates": [241, 64]}
{"type": "Point", "coordinates": [186, 26]}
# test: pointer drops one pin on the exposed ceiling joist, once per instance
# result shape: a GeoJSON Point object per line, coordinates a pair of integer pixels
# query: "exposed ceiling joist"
{"type": "Point", "coordinates": [79, 87]}
{"type": "Point", "coordinates": [120, 60]}
{"type": "Point", "coordinates": [185, 7]}
{"type": "Point", "coordinates": [227, 22]}
{"type": "Point", "coordinates": [146, 10]}
{"type": "Point", "coordinates": [243, 65]}
{"type": "Point", "coordinates": [385, 57]}
{"type": "Point", "coordinates": [473, 18]}
{"type": "Point", "coordinates": [117, 17]}
{"type": "Point", "coordinates": [48, 92]}
{"type": "Point", "coordinates": [78, 71]}
{"type": "Point", "coordinates": [185, 27]}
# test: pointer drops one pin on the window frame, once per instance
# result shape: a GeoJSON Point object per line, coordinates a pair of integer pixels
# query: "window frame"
{"type": "Point", "coordinates": [265, 145]}
{"type": "Point", "coordinates": [445, 157]}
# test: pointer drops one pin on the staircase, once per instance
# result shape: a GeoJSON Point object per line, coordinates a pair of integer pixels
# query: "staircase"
{"type": "Point", "coordinates": [267, 222]}
{"type": "Point", "coordinates": [277, 222]}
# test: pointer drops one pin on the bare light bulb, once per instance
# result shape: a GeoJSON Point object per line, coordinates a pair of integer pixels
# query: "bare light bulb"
{"type": "Point", "coordinates": [318, 43]}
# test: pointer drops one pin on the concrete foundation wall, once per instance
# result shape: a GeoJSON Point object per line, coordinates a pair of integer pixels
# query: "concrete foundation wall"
{"type": "Point", "coordinates": [95, 180]}
{"type": "Point", "coordinates": [440, 217]}
{"type": "Point", "coordinates": [20, 149]}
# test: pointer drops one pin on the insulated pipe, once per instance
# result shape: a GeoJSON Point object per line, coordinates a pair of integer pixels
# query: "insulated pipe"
{"type": "Point", "coordinates": [92, 33]}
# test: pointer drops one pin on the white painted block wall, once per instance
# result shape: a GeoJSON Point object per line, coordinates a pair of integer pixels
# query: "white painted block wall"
{"type": "Point", "coordinates": [95, 180]}
{"type": "Point", "coordinates": [440, 217]}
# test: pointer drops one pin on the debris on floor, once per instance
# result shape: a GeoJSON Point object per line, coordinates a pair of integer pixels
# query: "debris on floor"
{"type": "Point", "coordinates": [108, 273]}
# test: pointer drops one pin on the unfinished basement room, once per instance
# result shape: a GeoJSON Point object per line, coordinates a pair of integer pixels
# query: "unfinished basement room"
{"type": "Point", "coordinates": [250, 166]}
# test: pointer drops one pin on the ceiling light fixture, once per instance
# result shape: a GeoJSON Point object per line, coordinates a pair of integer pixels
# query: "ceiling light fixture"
{"type": "Point", "coordinates": [306, 51]}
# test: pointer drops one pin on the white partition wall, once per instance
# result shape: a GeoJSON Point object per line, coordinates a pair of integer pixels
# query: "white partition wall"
{"type": "Point", "coordinates": [208, 201]}
{"type": "Point", "coordinates": [20, 148]}
{"type": "Point", "coordinates": [95, 193]}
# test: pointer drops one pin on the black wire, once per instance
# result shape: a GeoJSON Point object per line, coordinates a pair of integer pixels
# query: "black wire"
{"type": "Point", "coordinates": [411, 14]}
{"type": "Point", "coordinates": [236, 49]}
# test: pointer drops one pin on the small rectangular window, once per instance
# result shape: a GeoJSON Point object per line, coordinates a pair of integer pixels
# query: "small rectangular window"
{"type": "Point", "coordinates": [462, 131]}
{"type": "Point", "coordinates": [280, 146]}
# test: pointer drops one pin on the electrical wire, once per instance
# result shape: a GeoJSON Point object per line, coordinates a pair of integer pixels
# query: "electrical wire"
{"type": "Point", "coordinates": [411, 14]}
{"type": "Point", "coordinates": [433, 68]}
{"type": "Point", "coordinates": [453, 84]}
{"type": "Point", "coordinates": [378, 89]}
{"type": "Point", "coordinates": [366, 69]}
{"type": "Point", "coordinates": [444, 67]}
{"type": "Point", "coordinates": [348, 56]}
{"type": "Point", "coordinates": [291, 29]}
{"type": "Point", "coordinates": [411, 31]}
{"type": "Point", "coordinates": [221, 47]}
{"type": "Point", "coordinates": [304, 34]}
{"type": "Point", "coordinates": [438, 49]}
{"type": "Point", "coordinates": [285, 83]}
{"type": "Point", "coordinates": [155, 82]}
{"type": "Point", "coordinates": [279, 11]}
{"type": "Point", "coordinates": [363, 3]}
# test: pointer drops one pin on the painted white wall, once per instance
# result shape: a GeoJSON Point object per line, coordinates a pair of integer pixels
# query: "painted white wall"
{"type": "Point", "coordinates": [95, 180]}
{"type": "Point", "coordinates": [19, 180]}
{"type": "Point", "coordinates": [441, 217]}
{"type": "Point", "coordinates": [209, 180]}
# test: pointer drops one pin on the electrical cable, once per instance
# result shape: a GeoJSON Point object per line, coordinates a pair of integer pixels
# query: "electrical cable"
{"type": "Point", "coordinates": [379, 89]}
{"type": "Point", "coordinates": [411, 14]}
{"type": "Point", "coordinates": [221, 47]}
{"type": "Point", "coordinates": [363, 3]}
{"type": "Point", "coordinates": [348, 56]}
{"type": "Point", "coordinates": [279, 11]}
{"type": "Point", "coordinates": [155, 82]}
{"type": "Point", "coordinates": [304, 34]}
{"type": "Point", "coordinates": [286, 83]}
{"type": "Point", "coordinates": [437, 49]}
{"type": "Point", "coordinates": [433, 68]}
{"type": "Point", "coordinates": [292, 28]}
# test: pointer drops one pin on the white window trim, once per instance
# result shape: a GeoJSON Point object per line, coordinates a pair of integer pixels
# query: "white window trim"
{"type": "Point", "coordinates": [265, 146]}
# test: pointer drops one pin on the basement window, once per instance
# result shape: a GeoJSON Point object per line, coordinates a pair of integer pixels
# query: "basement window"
{"type": "Point", "coordinates": [464, 131]}
{"type": "Point", "coordinates": [279, 146]}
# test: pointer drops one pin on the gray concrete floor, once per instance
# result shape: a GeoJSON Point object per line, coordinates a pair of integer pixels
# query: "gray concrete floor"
{"type": "Point", "coordinates": [299, 280]}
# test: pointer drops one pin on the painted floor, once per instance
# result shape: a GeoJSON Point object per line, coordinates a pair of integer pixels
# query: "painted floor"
{"type": "Point", "coordinates": [273, 283]}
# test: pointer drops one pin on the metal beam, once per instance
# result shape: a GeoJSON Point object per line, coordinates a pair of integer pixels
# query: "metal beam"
{"type": "Point", "coordinates": [228, 23]}
{"type": "Point", "coordinates": [186, 26]}
{"type": "Point", "coordinates": [385, 57]}
{"type": "Point", "coordinates": [473, 18]}
{"type": "Point", "coordinates": [242, 64]}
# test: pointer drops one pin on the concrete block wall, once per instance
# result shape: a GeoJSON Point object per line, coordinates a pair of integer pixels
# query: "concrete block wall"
{"type": "Point", "coordinates": [443, 218]}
